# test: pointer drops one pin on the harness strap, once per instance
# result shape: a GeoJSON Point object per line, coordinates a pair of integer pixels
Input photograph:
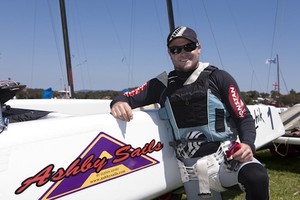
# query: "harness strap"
{"type": "Point", "coordinates": [201, 170]}
{"type": "Point", "coordinates": [186, 173]}
{"type": "Point", "coordinates": [171, 118]}
{"type": "Point", "coordinates": [193, 77]}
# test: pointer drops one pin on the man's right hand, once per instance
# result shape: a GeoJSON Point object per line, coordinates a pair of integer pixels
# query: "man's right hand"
{"type": "Point", "coordinates": [122, 111]}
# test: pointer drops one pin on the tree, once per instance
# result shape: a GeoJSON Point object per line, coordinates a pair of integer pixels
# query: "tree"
{"type": "Point", "coordinates": [249, 97]}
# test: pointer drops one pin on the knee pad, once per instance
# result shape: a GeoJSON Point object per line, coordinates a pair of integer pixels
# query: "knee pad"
{"type": "Point", "coordinates": [228, 177]}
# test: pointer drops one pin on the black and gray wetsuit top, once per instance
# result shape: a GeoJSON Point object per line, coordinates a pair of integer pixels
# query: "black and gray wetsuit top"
{"type": "Point", "coordinates": [220, 83]}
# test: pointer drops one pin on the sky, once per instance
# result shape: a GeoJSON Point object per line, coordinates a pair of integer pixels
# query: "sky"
{"type": "Point", "coordinates": [116, 44]}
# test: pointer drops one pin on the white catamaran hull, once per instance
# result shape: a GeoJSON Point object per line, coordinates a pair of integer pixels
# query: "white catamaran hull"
{"type": "Point", "coordinates": [71, 155]}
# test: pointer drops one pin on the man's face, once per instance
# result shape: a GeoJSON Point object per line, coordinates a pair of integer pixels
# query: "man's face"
{"type": "Point", "coordinates": [184, 54]}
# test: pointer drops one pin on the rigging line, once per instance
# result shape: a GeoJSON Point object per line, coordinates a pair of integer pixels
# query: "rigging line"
{"type": "Point", "coordinates": [117, 35]}
{"type": "Point", "coordinates": [131, 45]}
{"type": "Point", "coordinates": [251, 79]}
{"type": "Point", "coordinates": [80, 46]}
{"type": "Point", "coordinates": [74, 28]}
{"type": "Point", "coordinates": [242, 41]}
{"type": "Point", "coordinates": [83, 46]}
{"type": "Point", "coordinates": [178, 13]}
{"type": "Point", "coordinates": [192, 8]}
{"type": "Point", "coordinates": [284, 82]}
{"type": "Point", "coordinates": [161, 32]}
{"type": "Point", "coordinates": [33, 45]}
{"type": "Point", "coordinates": [211, 30]}
{"type": "Point", "coordinates": [279, 38]}
{"type": "Point", "coordinates": [272, 45]}
{"type": "Point", "coordinates": [56, 43]}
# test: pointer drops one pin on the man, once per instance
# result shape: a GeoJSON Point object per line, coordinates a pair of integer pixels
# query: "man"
{"type": "Point", "coordinates": [205, 109]}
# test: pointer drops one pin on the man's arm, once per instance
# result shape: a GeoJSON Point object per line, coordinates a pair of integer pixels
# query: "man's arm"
{"type": "Point", "coordinates": [231, 97]}
{"type": "Point", "coordinates": [148, 93]}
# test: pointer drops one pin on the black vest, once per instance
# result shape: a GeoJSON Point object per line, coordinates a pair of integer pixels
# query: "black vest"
{"type": "Point", "coordinates": [189, 102]}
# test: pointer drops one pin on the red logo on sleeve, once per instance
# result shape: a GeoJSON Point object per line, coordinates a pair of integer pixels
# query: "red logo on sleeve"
{"type": "Point", "coordinates": [136, 91]}
{"type": "Point", "coordinates": [236, 102]}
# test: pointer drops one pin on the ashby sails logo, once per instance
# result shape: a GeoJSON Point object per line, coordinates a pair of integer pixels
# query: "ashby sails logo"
{"type": "Point", "coordinates": [106, 158]}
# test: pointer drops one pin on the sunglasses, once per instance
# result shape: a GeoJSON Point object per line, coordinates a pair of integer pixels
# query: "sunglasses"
{"type": "Point", "coordinates": [188, 48]}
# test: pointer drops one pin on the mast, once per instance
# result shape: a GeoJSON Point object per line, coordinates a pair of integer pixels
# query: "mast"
{"type": "Point", "coordinates": [278, 87]}
{"type": "Point", "coordinates": [170, 15]}
{"type": "Point", "coordinates": [66, 46]}
{"type": "Point", "coordinates": [277, 84]}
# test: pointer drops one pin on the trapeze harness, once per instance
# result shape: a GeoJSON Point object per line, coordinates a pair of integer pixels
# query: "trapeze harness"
{"type": "Point", "coordinates": [201, 118]}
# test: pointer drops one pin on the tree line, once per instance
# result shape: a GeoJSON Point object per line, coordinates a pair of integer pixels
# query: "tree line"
{"type": "Point", "coordinates": [286, 100]}
{"type": "Point", "coordinates": [250, 97]}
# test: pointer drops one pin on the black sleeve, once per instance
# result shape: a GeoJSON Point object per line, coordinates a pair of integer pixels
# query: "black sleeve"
{"type": "Point", "coordinates": [230, 96]}
{"type": "Point", "coordinates": [146, 94]}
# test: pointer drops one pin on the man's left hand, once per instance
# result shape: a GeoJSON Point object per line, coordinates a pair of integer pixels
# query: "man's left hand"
{"type": "Point", "coordinates": [244, 154]}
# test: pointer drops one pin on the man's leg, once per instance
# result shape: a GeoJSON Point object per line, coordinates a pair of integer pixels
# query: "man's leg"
{"type": "Point", "coordinates": [255, 180]}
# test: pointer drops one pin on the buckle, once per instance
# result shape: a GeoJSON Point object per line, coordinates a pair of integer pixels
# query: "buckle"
{"type": "Point", "coordinates": [205, 195]}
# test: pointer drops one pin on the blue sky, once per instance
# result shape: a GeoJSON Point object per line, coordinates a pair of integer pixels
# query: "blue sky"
{"type": "Point", "coordinates": [117, 44]}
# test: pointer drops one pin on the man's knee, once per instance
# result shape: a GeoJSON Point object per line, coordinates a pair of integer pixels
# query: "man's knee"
{"type": "Point", "coordinates": [254, 175]}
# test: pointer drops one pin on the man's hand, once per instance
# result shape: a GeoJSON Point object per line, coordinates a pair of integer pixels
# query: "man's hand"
{"type": "Point", "coordinates": [244, 154]}
{"type": "Point", "coordinates": [122, 111]}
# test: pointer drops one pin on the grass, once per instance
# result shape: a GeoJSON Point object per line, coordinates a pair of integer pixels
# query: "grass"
{"type": "Point", "coordinates": [284, 173]}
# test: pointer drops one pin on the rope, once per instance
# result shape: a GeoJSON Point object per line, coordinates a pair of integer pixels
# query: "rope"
{"type": "Point", "coordinates": [243, 44]}
{"type": "Point", "coordinates": [56, 43]}
{"type": "Point", "coordinates": [213, 35]}
{"type": "Point", "coordinates": [273, 39]}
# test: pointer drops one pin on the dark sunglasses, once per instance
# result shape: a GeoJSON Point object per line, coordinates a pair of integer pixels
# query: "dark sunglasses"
{"type": "Point", "coordinates": [188, 48]}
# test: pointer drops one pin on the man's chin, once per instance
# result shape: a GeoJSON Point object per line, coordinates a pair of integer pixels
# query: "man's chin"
{"type": "Point", "coordinates": [188, 68]}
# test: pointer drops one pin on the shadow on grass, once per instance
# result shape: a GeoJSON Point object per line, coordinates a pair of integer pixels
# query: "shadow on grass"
{"type": "Point", "coordinates": [279, 163]}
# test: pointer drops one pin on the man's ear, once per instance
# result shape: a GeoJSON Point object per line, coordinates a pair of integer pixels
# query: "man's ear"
{"type": "Point", "coordinates": [199, 48]}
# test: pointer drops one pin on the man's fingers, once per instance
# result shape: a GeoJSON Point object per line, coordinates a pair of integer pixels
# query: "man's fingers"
{"type": "Point", "coordinates": [122, 110]}
{"type": "Point", "coordinates": [244, 154]}
{"type": "Point", "coordinates": [128, 112]}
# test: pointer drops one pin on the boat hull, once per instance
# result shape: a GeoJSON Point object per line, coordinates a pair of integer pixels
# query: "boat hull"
{"type": "Point", "coordinates": [95, 156]}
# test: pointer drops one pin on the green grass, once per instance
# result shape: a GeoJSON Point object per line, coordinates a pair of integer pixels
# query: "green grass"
{"type": "Point", "coordinates": [284, 173]}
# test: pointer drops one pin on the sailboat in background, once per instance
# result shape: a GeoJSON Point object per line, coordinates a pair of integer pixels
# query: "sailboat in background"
{"type": "Point", "coordinates": [289, 143]}
{"type": "Point", "coordinates": [75, 149]}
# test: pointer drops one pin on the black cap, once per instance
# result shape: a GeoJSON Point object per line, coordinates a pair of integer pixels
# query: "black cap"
{"type": "Point", "coordinates": [182, 32]}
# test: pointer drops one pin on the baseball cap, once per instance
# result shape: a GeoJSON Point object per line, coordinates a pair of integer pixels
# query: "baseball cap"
{"type": "Point", "coordinates": [182, 32]}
